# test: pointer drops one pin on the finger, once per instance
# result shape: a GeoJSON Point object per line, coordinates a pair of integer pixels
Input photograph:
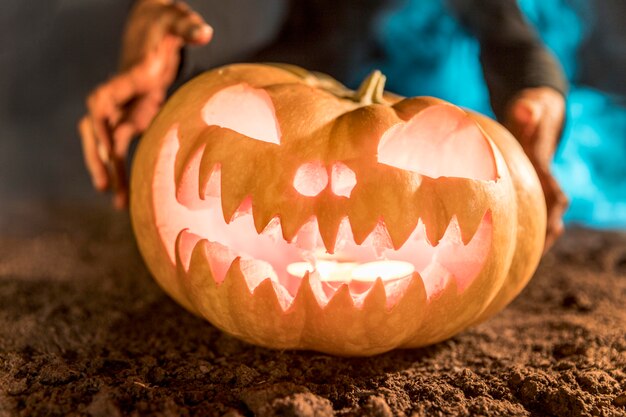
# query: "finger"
{"type": "Point", "coordinates": [95, 165]}
{"type": "Point", "coordinates": [123, 135]}
{"type": "Point", "coordinates": [188, 25]}
{"type": "Point", "coordinates": [109, 98]}
{"type": "Point", "coordinates": [159, 67]}
{"type": "Point", "coordinates": [556, 203]}
{"type": "Point", "coordinates": [139, 115]}
{"type": "Point", "coordinates": [555, 227]}
{"type": "Point", "coordinates": [193, 30]}
{"type": "Point", "coordinates": [527, 111]}
{"type": "Point", "coordinates": [137, 81]}
{"type": "Point", "coordinates": [141, 112]}
{"type": "Point", "coordinates": [120, 200]}
{"type": "Point", "coordinates": [555, 230]}
{"type": "Point", "coordinates": [171, 60]}
{"type": "Point", "coordinates": [117, 173]}
{"type": "Point", "coordinates": [120, 192]}
{"type": "Point", "coordinates": [101, 110]}
{"type": "Point", "coordinates": [523, 119]}
{"type": "Point", "coordinates": [105, 105]}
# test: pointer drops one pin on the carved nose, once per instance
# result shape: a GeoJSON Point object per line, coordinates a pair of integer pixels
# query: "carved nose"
{"type": "Point", "coordinates": [343, 179]}
{"type": "Point", "coordinates": [311, 179]}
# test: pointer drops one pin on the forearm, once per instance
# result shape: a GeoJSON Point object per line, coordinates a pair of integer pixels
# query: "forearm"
{"type": "Point", "coordinates": [511, 53]}
{"type": "Point", "coordinates": [509, 70]}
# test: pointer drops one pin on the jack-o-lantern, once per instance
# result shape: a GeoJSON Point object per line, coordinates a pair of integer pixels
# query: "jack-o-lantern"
{"type": "Point", "coordinates": [293, 213]}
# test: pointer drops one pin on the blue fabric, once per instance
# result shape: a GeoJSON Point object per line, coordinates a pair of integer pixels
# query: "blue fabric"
{"type": "Point", "coordinates": [427, 52]}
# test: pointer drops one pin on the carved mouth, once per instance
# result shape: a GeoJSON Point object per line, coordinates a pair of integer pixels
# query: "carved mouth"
{"type": "Point", "coordinates": [185, 220]}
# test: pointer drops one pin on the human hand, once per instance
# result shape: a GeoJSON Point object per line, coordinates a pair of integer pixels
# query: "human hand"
{"type": "Point", "coordinates": [535, 117]}
{"type": "Point", "coordinates": [124, 106]}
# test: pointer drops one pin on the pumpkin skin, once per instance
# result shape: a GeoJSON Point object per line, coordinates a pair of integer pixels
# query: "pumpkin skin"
{"type": "Point", "coordinates": [306, 125]}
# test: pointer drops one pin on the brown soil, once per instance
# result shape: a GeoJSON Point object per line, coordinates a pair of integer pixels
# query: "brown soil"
{"type": "Point", "coordinates": [85, 331]}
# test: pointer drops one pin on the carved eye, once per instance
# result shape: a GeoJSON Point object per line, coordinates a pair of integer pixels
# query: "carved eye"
{"type": "Point", "coordinates": [245, 110]}
{"type": "Point", "coordinates": [343, 179]}
{"type": "Point", "coordinates": [311, 179]}
{"type": "Point", "coordinates": [440, 141]}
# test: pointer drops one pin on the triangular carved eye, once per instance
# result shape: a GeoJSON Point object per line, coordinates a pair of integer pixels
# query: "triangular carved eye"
{"type": "Point", "coordinates": [440, 141]}
{"type": "Point", "coordinates": [245, 110]}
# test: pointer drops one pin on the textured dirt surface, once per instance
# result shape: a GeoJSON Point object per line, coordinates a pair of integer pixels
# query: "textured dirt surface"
{"type": "Point", "coordinates": [85, 331]}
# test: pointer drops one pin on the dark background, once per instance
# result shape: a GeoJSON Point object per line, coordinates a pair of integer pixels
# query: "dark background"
{"type": "Point", "coordinates": [53, 53]}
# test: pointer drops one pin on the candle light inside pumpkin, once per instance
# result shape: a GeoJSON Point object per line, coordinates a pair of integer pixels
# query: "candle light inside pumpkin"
{"type": "Point", "coordinates": [360, 277]}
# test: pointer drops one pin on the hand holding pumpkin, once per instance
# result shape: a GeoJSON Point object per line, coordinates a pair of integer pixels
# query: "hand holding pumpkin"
{"type": "Point", "coordinates": [535, 117]}
{"type": "Point", "coordinates": [124, 106]}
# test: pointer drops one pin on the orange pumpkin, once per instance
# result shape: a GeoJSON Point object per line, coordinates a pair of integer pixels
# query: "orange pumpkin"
{"type": "Point", "coordinates": [296, 214]}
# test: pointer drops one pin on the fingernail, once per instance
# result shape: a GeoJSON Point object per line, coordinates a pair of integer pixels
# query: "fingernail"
{"type": "Point", "coordinates": [202, 32]}
{"type": "Point", "coordinates": [523, 114]}
{"type": "Point", "coordinates": [100, 184]}
{"type": "Point", "coordinates": [120, 201]}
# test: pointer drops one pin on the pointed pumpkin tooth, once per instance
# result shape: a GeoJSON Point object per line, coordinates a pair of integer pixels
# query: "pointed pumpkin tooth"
{"type": "Point", "coordinates": [362, 225]}
{"type": "Point", "coordinates": [209, 175]}
{"type": "Point", "coordinates": [186, 152]}
{"type": "Point", "coordinates": [308, 309]}
{"type": "Point", "coordinates": [375, 302]}
{"type": "Point", "coordinates": [408, 312]}
{"type": "Point", "coordinates": [306, 298]}
{"type": "Point", "coordinates": [241, 306]}
{"type": "Point", "coordinates": [401, 216]}
{"type": "Point", "coordinates": [379, 239]}
{"type": "Point", "coordinates": [468, 221]}
{"type": "Point", "coordinates": [401, 228]}
{"type": "Point", "coordinates": [235, 188]}
{"type": "Point", "coordinates": [267, 301]}
{"type": "Point", "coordinates": [216, 256]}
{"type": "Point", "coordinates": [209, 181]}
{"type": "Point", "coordinates": [185, 245]}
{"type": "Point", "coordinates": [270, 227]}
{"type": "Point", "coordinates": [255, 271]}
{"type": "Point", "coordinates": [307, 237]}
{"type": "Point", "coordinates": [432, 211]}
{"type": "Point", "coordinates": [329, 230]}
{"type": "Point", "coordinates": [187, 180]}
{"type": "Point", "coordinates": [232, 205]}
{"type": "Point", "coordinates": [291, 222]}
{"type": "Point", "coordinates": [271, 298]}
{"type": "Point", "coordinates": [198, 261]}
{"type": "Point", "coordinates": [319, 290]}
{"type": "Point", "coordinates": [340, 302]}
{"type": "Point", "coordinates": [245, 208]}
{"type": "Point", "coordinates": [234, 282]}
{"type": "Point", "coordinates": [436, 221]}
{"type": "Point", "coordinates": [199, 281]}
{"type": "Point", "coordinates": [182, 287]}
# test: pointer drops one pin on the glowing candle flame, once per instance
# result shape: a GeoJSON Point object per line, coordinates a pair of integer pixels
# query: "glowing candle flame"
{"type": "Point", "coordinates": [328, 271]}
{"type": "Point", "coordinates": [346, 272]}
{"type": "Point", "coordinates": [386, 270]}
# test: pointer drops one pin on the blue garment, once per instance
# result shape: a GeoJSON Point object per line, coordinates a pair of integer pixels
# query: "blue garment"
{"type": "Point", "coordinates": [427, 52]}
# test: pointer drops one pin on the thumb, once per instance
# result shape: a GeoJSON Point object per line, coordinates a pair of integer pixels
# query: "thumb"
{"type": "Point", "coordinates": [523, 118]}
{"type": "Point", "coordinates": [191, 28]}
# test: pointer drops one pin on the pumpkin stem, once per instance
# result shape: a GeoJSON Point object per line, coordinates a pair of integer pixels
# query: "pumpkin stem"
{"type": "Point", "coordinates": [372, 89]}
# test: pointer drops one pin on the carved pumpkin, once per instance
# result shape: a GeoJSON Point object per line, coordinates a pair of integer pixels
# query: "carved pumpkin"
{"type": "Point", "coordinates": [295, 214]}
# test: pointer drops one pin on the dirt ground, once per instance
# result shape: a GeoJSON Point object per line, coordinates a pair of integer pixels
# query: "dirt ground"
{"type": "Point", "coordinates": [84, 330]}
